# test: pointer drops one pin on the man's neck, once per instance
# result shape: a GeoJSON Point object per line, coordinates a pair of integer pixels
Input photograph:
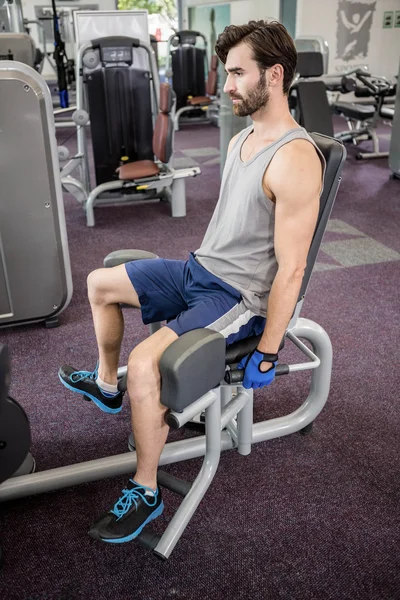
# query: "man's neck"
{"type": "Point", "coordinates": [274, 120]}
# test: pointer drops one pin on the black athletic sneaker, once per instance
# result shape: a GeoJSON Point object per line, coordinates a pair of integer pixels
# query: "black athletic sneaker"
{"type": "Point", "coordinates": [84, 382]}
{"type": "Point", "coordinates": [131, 513]}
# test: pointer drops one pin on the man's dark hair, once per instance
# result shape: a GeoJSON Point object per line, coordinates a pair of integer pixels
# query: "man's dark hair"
{"type": "Point", "coordinates": [270, 43]}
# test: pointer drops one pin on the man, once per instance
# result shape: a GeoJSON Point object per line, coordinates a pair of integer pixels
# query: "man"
{"type": "Point", "coordinates": [251, 262]}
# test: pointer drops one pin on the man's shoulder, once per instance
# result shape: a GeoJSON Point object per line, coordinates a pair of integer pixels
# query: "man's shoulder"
{"type": "Point", "coordinates": [298, 154]}
{"type": "Point", "coordinates": [295, 165]}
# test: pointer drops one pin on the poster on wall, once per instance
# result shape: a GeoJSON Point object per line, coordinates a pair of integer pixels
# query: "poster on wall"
{"type": "Point", "coordinates": [210, 21]}
{"type": "Point", "coordinates": [354, 22]}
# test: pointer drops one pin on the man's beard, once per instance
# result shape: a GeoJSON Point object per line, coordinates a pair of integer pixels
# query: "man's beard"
{"type": "Point", "coordinates": [256, 98]}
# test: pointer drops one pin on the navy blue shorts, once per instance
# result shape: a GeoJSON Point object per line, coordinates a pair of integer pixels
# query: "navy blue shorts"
{"type": "Point", "coordinates": [187, 296]}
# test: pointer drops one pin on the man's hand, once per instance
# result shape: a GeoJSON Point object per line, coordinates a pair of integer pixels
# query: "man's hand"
{"type": "Point", "coordinates": [259, 369]}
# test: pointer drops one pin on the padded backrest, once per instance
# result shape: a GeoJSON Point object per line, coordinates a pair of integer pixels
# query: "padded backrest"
{"type": "Point", "coordinates": [188, 73]}
{"type": "Point", "coordinates": [164, 128]}
{"type": "Point", "coordinates": [314, 109]}
{"type": "Point", "coordinates": [335, 154]}
{"type": "Point", "coordinates": [121, 120]}
{"type": "Point", "coordinates": [310, 64]}
{"type": "Point", "coordinates": [211, 88]}
{"type": "Point", "coordinates": [166, 98]}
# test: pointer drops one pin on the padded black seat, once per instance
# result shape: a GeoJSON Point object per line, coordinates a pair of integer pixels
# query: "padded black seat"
{"type": "Point", "coordinates": [352, 110]}
{"type": "Point", "coordinates": [235, 352]}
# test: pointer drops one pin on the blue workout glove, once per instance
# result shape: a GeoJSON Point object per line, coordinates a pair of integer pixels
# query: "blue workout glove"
{"type": "Point", "coordinates": [253, 376]}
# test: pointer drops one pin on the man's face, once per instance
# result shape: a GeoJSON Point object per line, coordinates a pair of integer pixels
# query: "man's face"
{"type": "Point", "coordinates": [245, 84]}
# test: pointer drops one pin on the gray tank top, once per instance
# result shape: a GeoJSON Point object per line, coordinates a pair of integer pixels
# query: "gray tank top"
{"type": "Point", "coordinates": [238, 246]}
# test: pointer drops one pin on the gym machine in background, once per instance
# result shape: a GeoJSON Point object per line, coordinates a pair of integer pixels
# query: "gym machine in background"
{"type": "Point", "coordinates": [316, 43]}
{"type": "Point", "coordinates": [118, 92]}
{"type": "Point", "coordinates": [186, 65]}
{"type": "Point", "coordinates": [313, 109]}
{"type": "Point", "coordinates": [35, 273]}
{"type": "Point", "coordinates": [193, 78]}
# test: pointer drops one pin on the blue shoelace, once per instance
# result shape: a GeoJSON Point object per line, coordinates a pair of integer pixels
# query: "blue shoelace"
{"type": "Point", "coordinates": [79, 375]}
{"type": "Point", "coordinates": [132, 496]}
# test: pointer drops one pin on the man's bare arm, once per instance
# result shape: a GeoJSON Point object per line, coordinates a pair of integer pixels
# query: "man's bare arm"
{"type": "Point", "coordinates": [294, 178]}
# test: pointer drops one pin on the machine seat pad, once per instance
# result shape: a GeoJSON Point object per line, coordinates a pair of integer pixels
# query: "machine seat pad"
{"type": "Point", "coordinates": [352, 110]}
{"type": "Point", "coordinates": [235, 352]}
{"type": "Point", "coordinates": [120, 257]}
{"type": "Point", "coordinates": [199, 100]}
{"type": "Point", "coordinates": [138, 170]}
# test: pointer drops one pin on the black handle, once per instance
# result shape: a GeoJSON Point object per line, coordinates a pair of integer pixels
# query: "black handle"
{"type": "Point", "coordinates": [348, 84]}
{"type": "Point", "coordinates": [363, 77]}
{"type": "Point", "coordinates": [236, 375]}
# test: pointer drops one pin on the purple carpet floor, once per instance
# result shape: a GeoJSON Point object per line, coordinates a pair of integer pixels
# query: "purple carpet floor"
{"type": "Point", "coordinates": [313, 517]}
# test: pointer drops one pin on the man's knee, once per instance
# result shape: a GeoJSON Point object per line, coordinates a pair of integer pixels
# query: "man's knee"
{"type": "Point", "coordinates": [143, 364]}
{"type": "Point", "coordinates": [111, 286]}
{"type": "Point", "coordinates": [143, 373]}
{"type": "Point", "coordinates": [97, 286]}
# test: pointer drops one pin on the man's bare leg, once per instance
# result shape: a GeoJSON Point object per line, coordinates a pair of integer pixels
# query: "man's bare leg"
{"type": "Point", "coordinates": [107, 288]}
{"type": "Point", "coordinates": [149, 428]}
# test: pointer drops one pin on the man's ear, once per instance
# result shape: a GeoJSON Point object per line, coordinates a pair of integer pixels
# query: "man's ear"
{"type": "Point", "coordinates": [275, 75]}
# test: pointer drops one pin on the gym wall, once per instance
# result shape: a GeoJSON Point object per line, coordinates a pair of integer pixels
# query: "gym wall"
{"type": "Point", "coordinates": [355, 32]}
{"type": "Point", "coordinates": [241, 10]}
{"type": "Point", "coordinates": [359, 32]}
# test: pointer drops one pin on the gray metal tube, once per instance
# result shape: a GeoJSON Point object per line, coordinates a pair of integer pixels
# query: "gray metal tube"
{"type": "Point", "coordinates": [319, 391]}
{"type": "Point", "coordinates": [101, 468]}
{"type": "Point", "coordinates": [303, 366]}
{"type": "Point", "coordinates": [232, 429]}
{"type": "Point", "coordinates": [226, 394]}
{"type": "Point", "coordinates": [80, 105]}
{"type": "Point", "coordinates": [178, 198]}
{"type": "Point", "coordinates": [103, 187]}
{"type": "Point", "coordinates": [201, 484]}
{"type": "Point", "coordinates": [196, 407]}
{"type": "Point", "coordinates": [245, 424]}
{"type": "Point", "coordinates": [235, 405]}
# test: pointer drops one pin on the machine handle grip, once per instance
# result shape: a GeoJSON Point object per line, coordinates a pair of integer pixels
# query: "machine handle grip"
{"type": "Point", "coordinates": [236, 375]}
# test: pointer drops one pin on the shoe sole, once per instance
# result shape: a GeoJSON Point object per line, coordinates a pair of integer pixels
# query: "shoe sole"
{"type": "Point", "coordinates": [98, 403]}
{"type": "Point", "coordinates": [133, 535]}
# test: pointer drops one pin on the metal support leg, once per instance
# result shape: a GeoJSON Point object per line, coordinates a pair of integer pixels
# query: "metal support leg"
{"type": "Point", "coordinates": [245, 424]}
{"type": "Point", "coordinates": [319, 391]}
{"type": "Point", "coordinates": [200, 485]}
{"type": "Point", "coordinates": [231, 427]}
{"type": "Point", "coordinates": [90, 202]}
{"type": "Point", "coordinates": [178, 200]}
{"type": "Point", "coordinates": [226, 394]}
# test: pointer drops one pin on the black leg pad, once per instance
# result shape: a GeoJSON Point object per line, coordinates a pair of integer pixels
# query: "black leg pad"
{"type": "Point", "coordinates": [120, 257]}
{"type": "Point", "coordinates": [190, 367]}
